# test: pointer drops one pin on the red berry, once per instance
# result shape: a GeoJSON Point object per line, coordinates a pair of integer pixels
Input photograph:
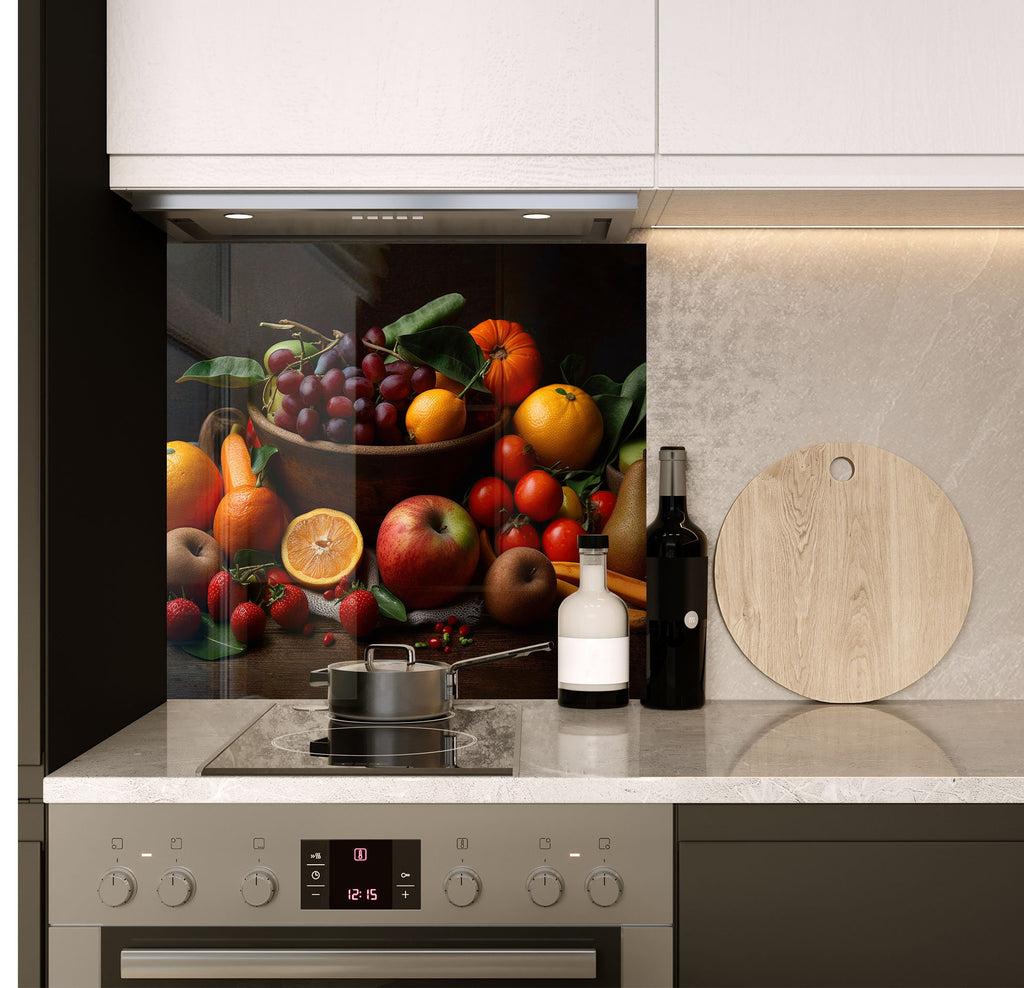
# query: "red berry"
{"type": "Point", "coordinates": [452, 619]}
{"type": "Point", "coordinates": [329, 638]}
{"type": "Point", "coordinates": [439, 627]}
{"type": "Point", "coordinates": [224, 594]}
{"type": "Point", "coordinates": [447, 629]}
{"type": "Point", "coordinates": [183, 619]}
{"type": "Point", "coordinates": [287, 605]}
{"type": "Point", "coordinates": [276, 576]}
{"type": "Point", "coordinates": [307, 629]}
{"type": "Point", "coordinates": [359, 612]}
{"type": "Point", "coordinates": [434, 642]}
{"type": "Point", "coordinates": [248, 622]}
{"type": "Point", "coordinates": [447, 649]}
{"type": "Point", "coordinates": [329, 595]}
{"type": "Point", "coordinates": [464, 631]}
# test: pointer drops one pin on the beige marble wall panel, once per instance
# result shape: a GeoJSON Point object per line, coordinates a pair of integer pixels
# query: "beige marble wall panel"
{"type": "Point", "coordinates": [761, 342]}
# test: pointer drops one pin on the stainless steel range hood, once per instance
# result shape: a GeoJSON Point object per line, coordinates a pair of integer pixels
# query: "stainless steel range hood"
{"type": "Point", "coordinates": [449, 217]}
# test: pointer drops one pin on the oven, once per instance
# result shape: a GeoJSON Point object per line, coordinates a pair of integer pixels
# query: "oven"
{"type": "Point", "coordinates": [361, 895]}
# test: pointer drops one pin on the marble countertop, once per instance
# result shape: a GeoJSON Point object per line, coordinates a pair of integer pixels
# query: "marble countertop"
{"type": "Point", "coordinates": [968, 751]}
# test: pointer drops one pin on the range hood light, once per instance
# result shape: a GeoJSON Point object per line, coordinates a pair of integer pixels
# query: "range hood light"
{"type": "Point", "coordinates": [536, 216]}
{"type": "Point", "coordinates": [238, 216]}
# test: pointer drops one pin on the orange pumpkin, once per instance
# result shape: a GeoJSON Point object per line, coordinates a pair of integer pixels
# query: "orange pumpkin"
{"type": "Point", "coordinates": [515, 360]}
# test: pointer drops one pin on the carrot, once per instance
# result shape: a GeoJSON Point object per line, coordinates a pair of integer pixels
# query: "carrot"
{"type": "Point", "coordinates": [564, 588]}
{"type": "Point", "coordinates": [235, 463]}
{"type": "Point", "coordinates": [631, 590]}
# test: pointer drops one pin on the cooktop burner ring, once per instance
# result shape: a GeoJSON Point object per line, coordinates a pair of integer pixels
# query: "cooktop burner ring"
{"type": "Point", "coordinates": [301, 741]}
{"type": "Point", "coordinates": [357, 722]}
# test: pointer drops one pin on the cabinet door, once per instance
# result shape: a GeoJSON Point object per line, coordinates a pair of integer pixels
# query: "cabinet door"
{"type": "Point", "coordinates": [802, 77]}
{"type": "Point", "coordinates": [850, 913]}
{"type": "Point", "coordinates": [386, 77]}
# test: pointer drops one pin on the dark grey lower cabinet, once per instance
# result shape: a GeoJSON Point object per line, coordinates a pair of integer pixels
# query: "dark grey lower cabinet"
{"type": "Point", "coordinates": [809, 895]}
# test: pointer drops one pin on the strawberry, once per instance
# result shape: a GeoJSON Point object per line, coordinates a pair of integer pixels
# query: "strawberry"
{"type": "Point", "coordinates": [248, 622]}
{"type": "Point", "coordinates": [359, 612]}
{"type": "Point", "coordinates": [183, 619]}
{"type": "Point", "coordinates": [224, 594]}
{"type": "Point", "coordinates": [287, 605]}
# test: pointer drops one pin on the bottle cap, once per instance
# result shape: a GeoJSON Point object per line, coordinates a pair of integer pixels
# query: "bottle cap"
{"type": "Point", "coordinates": [672, 453]}
{"type": "Point", "coordinates": [591, 541]}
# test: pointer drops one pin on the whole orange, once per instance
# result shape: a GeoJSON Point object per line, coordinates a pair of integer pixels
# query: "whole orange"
{"type": "Point", "coordinates": [249, 518]}
{"type": "Point", "coordinates": [515, 362]}
{"type": "Point", "coordinates": [194, 487]}
{"type": "Point", "coordinates": [563, 425]}
{"type": "Point", "coordinates": [434, 416]}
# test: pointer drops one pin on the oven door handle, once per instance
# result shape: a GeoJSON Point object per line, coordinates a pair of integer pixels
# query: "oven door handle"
{"type": "Point", "coordinates": [441, 965]}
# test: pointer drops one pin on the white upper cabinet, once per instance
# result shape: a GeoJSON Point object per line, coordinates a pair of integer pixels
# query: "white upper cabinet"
{"type": "Point", "coordinates": [381, 77]}
{"type": "Point", "coordinates": [865, 77]}
{"type": "Point", "coordinates": [831, 94]}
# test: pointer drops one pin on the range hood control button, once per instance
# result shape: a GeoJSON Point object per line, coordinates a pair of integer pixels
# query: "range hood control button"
{"type": "Point", "coordinates": [259, 886]}
{"type": "Point", "coordinates": [545, 886]}
{"type": "Point", "coordinates": [604, 887]}
{"type": "Point", "coordinates": [117, 887]}
{"type": "Point", "coordinates": [462, 886]}
{"type": "Point", "coordinates": [176, 887]}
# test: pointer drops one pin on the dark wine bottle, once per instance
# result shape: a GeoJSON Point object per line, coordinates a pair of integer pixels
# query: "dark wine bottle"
{"type": "Point", "coordinates": [677, 594]}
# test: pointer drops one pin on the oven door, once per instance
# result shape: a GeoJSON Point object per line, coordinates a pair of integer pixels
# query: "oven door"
{"type": "Point", "coordinates": [399, 956]}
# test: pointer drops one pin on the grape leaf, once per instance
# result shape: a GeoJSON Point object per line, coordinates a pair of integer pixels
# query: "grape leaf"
{"type": "Point", "coordinates": [219, 643]}
{"type": "Point", "coordinates": [448, 349]}
{"type": "Point", "coordinates": [226, 372]}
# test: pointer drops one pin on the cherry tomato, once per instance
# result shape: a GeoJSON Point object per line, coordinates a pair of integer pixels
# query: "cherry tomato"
{"type": "Point", "coordinates": [489, 502]}
{"type": "Point", "coordinates": [513, 458]}
{"type": "Point", "coordinates": [600, 504]}
{"type": "Point", "coordinates": [559, 541]}
{"type": "Point", "coordinates": [516, 535]}
{"type": "Point", "coordinates": [538, 495]}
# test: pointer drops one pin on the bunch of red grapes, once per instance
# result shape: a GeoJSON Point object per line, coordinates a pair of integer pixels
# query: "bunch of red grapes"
{"type": "Point", "coordinates": [350, 394]}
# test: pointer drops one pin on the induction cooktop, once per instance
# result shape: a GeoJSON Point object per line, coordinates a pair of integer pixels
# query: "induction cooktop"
{"type": "Point", "coordinates": [299, 738]}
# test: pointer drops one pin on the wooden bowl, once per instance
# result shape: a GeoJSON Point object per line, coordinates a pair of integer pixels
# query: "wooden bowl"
{"type": "Point", "coordinates": [366, 481]}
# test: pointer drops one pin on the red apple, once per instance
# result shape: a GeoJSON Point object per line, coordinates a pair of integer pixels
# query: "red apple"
{"type": "Point", "coordinates": [427, 550]}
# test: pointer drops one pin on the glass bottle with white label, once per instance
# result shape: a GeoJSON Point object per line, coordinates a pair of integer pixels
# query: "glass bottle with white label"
{"type": "Point", "coordinates": [593, 635]}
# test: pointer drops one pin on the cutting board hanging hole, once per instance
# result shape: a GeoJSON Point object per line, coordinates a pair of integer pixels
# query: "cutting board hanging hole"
{"type": "Point", "coordinates": [841, 468]}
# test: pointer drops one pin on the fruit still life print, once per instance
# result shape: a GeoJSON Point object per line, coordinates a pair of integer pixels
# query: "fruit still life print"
{"type": "Point", "coordinates": [422, 482]}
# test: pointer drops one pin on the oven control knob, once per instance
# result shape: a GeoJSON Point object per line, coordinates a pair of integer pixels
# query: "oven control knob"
{"type": "Point", "coordinates": [545, 886]}
{"type": "Point", "coordinates": [117, 887]}
{"type": "Point", "coordinates": [176, 887]}
{"type": "Point", "coordinates": [462, 886]}
{"type": "Point", "coordinates": [604, 887]}
{"type": "Point", "coordinates": [259, 886]}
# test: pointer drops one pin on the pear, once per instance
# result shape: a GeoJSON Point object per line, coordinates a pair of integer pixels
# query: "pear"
{"type": "Point", "coordinates": [627, 527]}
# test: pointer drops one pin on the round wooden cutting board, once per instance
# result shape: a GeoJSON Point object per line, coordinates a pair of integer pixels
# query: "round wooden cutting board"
{"type": "Point", "coordinates": [843, 590]}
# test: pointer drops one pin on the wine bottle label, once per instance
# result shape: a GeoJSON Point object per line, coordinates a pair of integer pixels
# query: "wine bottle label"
{"type": "Point", "coordinates": [590, 664]}
{"type": "Point", "coordinates": [677, 589]}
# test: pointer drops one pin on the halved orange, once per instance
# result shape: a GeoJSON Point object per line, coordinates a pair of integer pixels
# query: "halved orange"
{"type": "Point", "coordinates": [321, 547]}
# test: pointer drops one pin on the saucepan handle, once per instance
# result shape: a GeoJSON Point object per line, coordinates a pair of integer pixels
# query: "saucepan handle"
{"type": "Point", "coordinates": [512, 653]}
{"type": "Point", "coordinates": [319, 677]}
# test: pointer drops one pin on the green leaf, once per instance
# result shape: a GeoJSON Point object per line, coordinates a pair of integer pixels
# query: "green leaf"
{"type": "Point", "coordinates": [584, 482]}
{"type": "Point", "coordinates": [226, 372]}
{"type": "Point", "coordinates": [390, 606]}
{"type": "Point", "coordinates": [219, 643]}
{"type": "Point", "coordinates": [615, 411]}
{"type": "Point", "coordinates": [260, 457]}
{"type": "Point", "coordinates": [635, 388]}
{"type": "Point", "coordinates": [434, 313]}
{"type": "Point", "coordinates": [601, 384]}
{"type": "Point", "coordinates": [448, 349]}
{"type": "Point", "coordinates": [571, 368]}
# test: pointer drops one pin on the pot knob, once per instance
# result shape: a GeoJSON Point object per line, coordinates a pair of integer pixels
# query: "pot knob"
{"type": "Point", "coordinates": [545, 886]}
{"type": "Point", "coordinates": [116, 887]}
{"type": "Point", "coordinates": [176, 887]}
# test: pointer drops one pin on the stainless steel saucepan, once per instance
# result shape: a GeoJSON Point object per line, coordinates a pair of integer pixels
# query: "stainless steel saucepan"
{"type": "Point", "coordinates": [394, 690]}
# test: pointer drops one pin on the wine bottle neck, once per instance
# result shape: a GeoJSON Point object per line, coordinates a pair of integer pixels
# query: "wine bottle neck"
{"type": "Point", "coordinates": [672, 504]}
{"type": "Point", "coordinates": [672, 479]}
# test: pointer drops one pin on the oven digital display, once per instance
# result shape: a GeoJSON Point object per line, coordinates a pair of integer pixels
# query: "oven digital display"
{"type": "Point", "coordinates": [360, 874]}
